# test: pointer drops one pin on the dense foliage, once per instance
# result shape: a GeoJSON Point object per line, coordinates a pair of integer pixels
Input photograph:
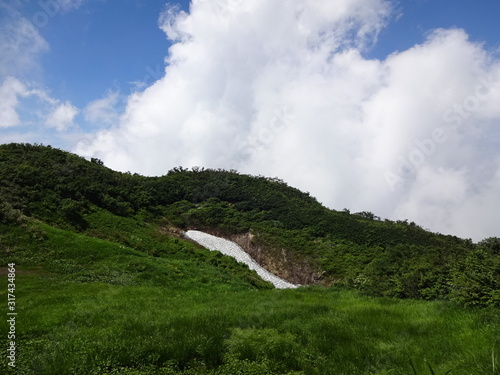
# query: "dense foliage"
{"type": "Point", "coordinates": [379, 257]}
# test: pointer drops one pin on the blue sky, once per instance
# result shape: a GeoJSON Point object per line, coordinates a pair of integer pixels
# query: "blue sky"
{"type": "Point", "coordinates": [103, 45]}
{"type": "Point", "coordinates": [380, 105]}
{"type": "Point", "coordinates": [418, 17]}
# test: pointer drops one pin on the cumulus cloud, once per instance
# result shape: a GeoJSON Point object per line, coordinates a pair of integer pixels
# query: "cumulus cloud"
{"type": "Point", "coordinates": [283, 89]}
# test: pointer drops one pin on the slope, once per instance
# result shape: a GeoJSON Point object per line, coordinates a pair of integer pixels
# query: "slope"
{"type": "Point", "coordinates": [286, 230]}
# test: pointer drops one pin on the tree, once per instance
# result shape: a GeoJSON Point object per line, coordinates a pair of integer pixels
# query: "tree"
{"type": "Point", "coordinates": [367, 215]}
{"type": "Point", "coordinates": [97, 161]}
{"type": "Point", "coordinates": [492, 244]}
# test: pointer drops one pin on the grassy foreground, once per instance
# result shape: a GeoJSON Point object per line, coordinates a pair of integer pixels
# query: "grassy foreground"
{"type": "Point", "coordinates": [92, 306]}
{"type": "Point", "coordinates": [99, 328]}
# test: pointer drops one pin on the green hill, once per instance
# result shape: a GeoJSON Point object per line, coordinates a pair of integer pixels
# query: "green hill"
{"type": "Point", "coordinates": [284, 228]}
{"type": "Point", "coordinates": [106, 284]}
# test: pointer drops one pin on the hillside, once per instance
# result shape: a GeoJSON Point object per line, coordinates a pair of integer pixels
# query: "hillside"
{"type": "Point", "coordinates": [284, 229]}
{"type": "Point", "coordinates": [106, 282]}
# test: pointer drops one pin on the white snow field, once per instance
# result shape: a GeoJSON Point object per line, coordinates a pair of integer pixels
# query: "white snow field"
{"type": "Point", "coordinates": [232, 249]}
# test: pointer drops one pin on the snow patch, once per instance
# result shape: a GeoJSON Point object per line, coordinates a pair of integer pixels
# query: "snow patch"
{"type": "Point", "coordinates": [232, 249]}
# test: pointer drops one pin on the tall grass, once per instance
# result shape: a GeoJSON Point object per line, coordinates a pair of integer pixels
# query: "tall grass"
{"type": "Point", "coordinates": [94, 307]}
{"type": "Point", "coordinates": [97, 328]}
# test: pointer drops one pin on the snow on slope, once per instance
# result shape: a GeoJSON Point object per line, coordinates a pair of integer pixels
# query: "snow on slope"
{"type": "Point", "coordinates": [232, 249]}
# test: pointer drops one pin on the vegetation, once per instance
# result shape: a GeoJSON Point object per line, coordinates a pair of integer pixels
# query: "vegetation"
{"type": "Point", "coordinates": [106, 285]}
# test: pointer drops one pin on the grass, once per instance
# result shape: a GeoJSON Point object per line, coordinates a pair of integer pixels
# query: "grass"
{"type": "Point", "coordinates": [93, 328]}
{"type": "Point", "coordinates": [134, 303]}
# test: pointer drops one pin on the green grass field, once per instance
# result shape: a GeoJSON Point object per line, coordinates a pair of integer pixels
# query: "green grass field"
{"type": "Point", "coordinates": [90, 305]}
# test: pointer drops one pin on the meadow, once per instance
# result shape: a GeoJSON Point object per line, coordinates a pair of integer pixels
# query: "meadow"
{"type": "Point", "coordinates": [91, 306]}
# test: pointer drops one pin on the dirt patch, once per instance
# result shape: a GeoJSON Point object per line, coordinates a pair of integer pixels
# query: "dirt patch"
{"type": "Point", "coordinates": [170, 230]}
{"type": "Point", "coordinates": [279, 261]}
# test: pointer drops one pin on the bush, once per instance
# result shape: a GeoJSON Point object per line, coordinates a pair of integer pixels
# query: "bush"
{"type": "Point", "coordinates": [9, 215]}
{"type": "Point", "coordinates": [476, 280]}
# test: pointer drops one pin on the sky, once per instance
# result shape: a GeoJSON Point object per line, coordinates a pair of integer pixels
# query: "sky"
{"type": "Point", "coordinates": [384, 106]}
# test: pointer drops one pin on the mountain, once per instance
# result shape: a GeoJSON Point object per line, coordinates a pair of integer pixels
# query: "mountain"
{"type": "Point", "coordinates": [100, 279]}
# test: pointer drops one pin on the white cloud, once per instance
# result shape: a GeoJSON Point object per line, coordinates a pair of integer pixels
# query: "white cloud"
{"type": "Point", "coordinates": [103, 111]}
{"type": "Point", "coordinates": [9, 91]}
{"type": "Point", "coordinates": [349, 121]}
{"type": "Point", "coordinates": [62, 116]}
{"type": "Point", "coordinates": [225, 78]}
{"type": "Point", "coordinates": [20, 45]}
{"type": "Point", "coordinates": [16, 98]}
